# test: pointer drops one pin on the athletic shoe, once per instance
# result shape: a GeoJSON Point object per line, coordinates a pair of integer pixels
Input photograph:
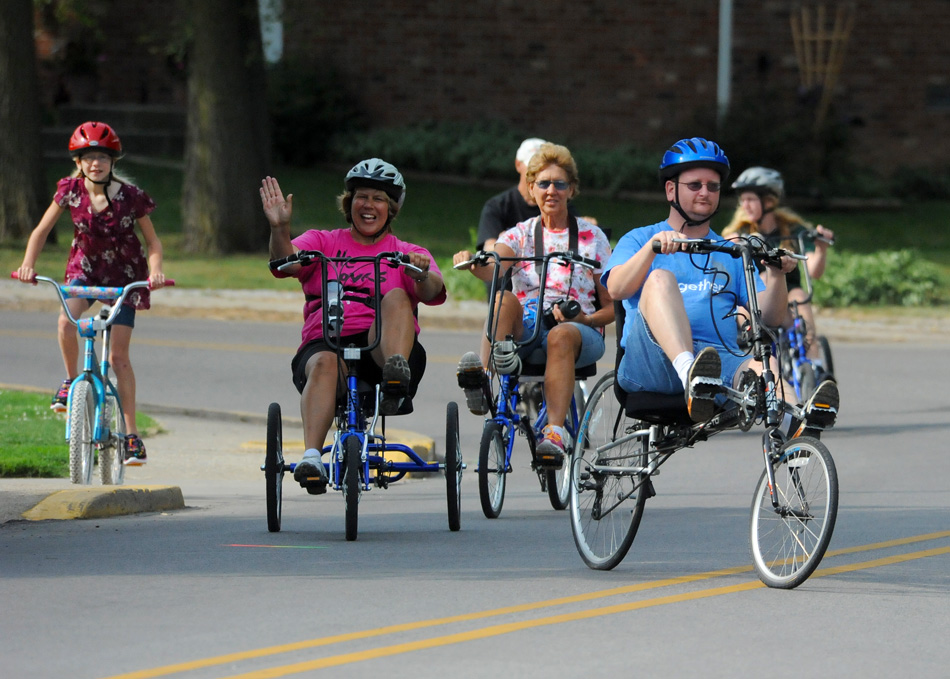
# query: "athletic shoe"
{"type": "Point", "coordinates": [705, 382]}
{"type": "Point", "coordinates": [474, 381]}
{"type": "Point", "coordinates": [134, 451]}
{"type": "Point", "coordinates": [311, 474]}
{"type": "Point", "coordinates": [553, 448]}
{"type": "Point", "coordinates": [819, 412]}
{"type": "Point", "coordinates": [58, 404]}
{"type": "Point", "coordinates": [395, 386]}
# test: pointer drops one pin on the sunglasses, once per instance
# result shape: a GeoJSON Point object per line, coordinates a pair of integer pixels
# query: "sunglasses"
{"type": "Point", "coordinates": [559, 184]}
{"type": "Point", "coordinates": [713, 187]}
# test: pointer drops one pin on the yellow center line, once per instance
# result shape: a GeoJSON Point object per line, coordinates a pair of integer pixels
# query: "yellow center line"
{"type": "Point", "coordinates": [507, 628]}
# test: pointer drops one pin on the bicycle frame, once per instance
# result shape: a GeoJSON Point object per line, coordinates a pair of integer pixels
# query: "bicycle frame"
{"type": "Point", "coordinates": [756, 397]}
{"type": "Point", "coordinates": [352, 420]}
{"type": "Point", "coordinates": [504, 410]}
{"type": "Point", "coordinates": [95, 371]}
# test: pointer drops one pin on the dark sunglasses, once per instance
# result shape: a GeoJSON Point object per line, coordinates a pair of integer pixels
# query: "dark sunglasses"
{"type": "Point", "coordinates": [713, 187]}
{"type": "Point", "coordinates": [559, 184]}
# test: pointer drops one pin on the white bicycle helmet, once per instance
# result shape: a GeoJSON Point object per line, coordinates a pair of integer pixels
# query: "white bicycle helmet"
{"type": "Point", "coordinates": [376, 173]}
{"type": "Point", "coordinates": [761, 180]}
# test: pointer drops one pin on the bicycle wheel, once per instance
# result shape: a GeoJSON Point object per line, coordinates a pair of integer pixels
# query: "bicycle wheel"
{"type": "Point", "coordinates": [807, 380]}
{"type": "Point", "coordinates": [274, 467]}
{"type": "Point", "coordinates": [453, 465]}
{"type": "Point", "coordinates": [789, 541]}
{"type": "Point", "coordinates": [492, 469]}
{"type": "Point", "coordinates": [81, 423]}
{"type": "Point", "coordinates": [112, 454]}
{"type": "Point", "coordinates": [352, 463]}
{"type": "Point", "coordinates": [558, 481]}
{"type": "Point", "coordinates": [606, 498]}
{"type": "Point", "coordinates": [824, 352]}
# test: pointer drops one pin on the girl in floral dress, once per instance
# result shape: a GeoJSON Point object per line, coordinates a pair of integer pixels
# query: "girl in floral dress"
{"type": "Point", "coordinates": [105, 251]}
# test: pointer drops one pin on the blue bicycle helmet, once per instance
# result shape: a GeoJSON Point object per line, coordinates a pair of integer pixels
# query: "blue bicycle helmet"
{"type": "Point", "coordinates": [689, 153]}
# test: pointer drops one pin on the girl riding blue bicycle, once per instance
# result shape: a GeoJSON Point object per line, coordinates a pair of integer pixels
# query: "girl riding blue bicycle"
{"type": "Point", "coordinates": [106, 251]}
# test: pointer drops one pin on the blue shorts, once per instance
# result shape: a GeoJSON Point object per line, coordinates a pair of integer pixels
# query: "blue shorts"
{"type": "Point", "coordinates": [645, 367]}
{"type": "Point", "coordinates": [592, 344]}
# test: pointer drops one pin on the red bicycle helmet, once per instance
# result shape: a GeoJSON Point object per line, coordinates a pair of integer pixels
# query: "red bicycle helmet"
{"type": "Point", "coordinates": [93, 135]}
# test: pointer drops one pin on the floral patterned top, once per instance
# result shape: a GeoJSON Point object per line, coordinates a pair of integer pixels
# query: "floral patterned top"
{"type": "Point", "coordinates": [564, 282]}
{"type": "Point", "coordinates": [105, 248]}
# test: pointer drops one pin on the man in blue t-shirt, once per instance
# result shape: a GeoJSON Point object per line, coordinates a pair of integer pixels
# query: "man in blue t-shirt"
{"type": "Point", "coordinates": [678, 335]}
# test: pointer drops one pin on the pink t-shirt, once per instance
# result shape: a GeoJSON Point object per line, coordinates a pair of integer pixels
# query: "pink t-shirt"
{"type": "Point", "coordinates": [356, 278]}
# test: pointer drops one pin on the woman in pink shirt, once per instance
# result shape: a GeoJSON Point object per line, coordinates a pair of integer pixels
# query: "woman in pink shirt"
{"type": "Point", "coordinates": [374, 194]}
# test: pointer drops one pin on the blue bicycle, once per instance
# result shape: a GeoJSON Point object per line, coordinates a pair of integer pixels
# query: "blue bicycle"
{"type": "Point", "coordinates": [791, 344]}
{"type": "Point", "coordinates": [510, 407]}
{"type": "Point", "coordinates": [95, 422]}
{"type": "Point", "coordinates": [360, 457]}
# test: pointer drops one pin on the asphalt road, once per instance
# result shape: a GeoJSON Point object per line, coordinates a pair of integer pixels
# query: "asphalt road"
{"type": "Point", "coordinates": [208, 592]}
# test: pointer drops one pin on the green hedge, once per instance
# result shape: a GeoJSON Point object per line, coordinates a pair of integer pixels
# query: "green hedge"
{"type": "Point", "coordinates": [900, 278]}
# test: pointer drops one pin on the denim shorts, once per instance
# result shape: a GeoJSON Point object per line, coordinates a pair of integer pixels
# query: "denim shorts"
{"type": "Point", "coordinates": [592, 344]}
{"type": "Point", "coordinates": [645, 367]}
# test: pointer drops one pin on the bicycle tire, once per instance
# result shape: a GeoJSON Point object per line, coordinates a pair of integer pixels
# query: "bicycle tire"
{"type": "Point", "coordinates": [453, 465]}
{"type": "Point", "coordinates": [352, 464]}
{"type": "Point", "coordinates": [824, 352]}
{"type": "Point", "coordinates": [81, 424]}
{"type": "Point", "coordinates": [274, 467]}
{"type": "Point", "coordinates": [558, 482]}
{"type": "Point", "coordinates": [112, 454]}
{"type": "Point", "coordinates": [492, 469]}
{"type": "Point", "coordinates": [603, 535]}
{"type": "Point", "coordinates": [788, 542]}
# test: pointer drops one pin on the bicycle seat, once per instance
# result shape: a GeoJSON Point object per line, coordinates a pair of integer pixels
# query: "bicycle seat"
{"type": "Point", "coordinates": [649, 406]}
{"type": "Point", "coordinates": [534, 364]}
{"type": "Point", "coordinates": [367, 395]}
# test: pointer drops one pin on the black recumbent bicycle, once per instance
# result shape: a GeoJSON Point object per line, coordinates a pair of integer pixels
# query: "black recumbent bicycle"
{"type": "Point", "coordinates": [624, 438]}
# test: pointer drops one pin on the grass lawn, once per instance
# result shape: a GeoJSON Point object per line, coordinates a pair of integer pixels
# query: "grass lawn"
{"type": "Point", "coordinates": [443, 216]}
{"type": "Point", "coordinates": [32, 437]}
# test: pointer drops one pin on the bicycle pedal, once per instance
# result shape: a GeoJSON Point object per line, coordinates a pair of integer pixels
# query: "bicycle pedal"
{"type": "Point", "coordinates": [705, 387]}
{"type": "Point", "coordinates": [821, 417]}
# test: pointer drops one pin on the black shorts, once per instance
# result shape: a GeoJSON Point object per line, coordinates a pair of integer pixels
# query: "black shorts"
{"type": "Point", "coordinates": [366, 368]}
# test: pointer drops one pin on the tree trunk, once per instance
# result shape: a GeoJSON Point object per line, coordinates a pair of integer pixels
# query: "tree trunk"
{"type": "Point", "coordinates": [21, 159]}
{"type": "Point", "coordinates": [227, 147]}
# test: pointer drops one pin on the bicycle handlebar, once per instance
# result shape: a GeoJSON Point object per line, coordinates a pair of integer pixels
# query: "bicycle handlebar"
{"type": "Point", "coordinates": [482, 257]}
{"type": "Point", "coordinates": [308, 257]}
{"type": "Point", "coordinates": [114, 295]}
{"type": "Point", "coordinates": [756, 250]}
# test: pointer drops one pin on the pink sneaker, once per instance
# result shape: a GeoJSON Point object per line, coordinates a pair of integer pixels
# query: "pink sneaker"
{"type": "Point", "coordinates": [134, 451]}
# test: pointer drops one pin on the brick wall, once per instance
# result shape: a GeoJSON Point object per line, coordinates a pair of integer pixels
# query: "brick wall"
{"type": "Point", "coordinates": [605, 71]}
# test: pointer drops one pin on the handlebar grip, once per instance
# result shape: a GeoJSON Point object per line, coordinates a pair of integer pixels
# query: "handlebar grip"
{"type": "Point", "coordinates": [657, 246]}
{"type": "Point", "coordinates": [275, 264]}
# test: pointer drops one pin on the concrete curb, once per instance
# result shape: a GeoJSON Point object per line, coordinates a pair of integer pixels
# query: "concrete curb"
{"type": "Point", "coordinates": [96, 503]}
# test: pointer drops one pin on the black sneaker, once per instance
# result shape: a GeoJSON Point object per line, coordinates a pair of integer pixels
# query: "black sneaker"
{"type": "Point", "coordinates": [312, 475]}
{"type": "Point", "coordinates": [134, 451]}
{"type": "Point", "coordinates": [705, 383]}
{"type": "Point", "coordinates": [395, 386]}
{"type": "Point", "coordinates": [58, 404]}
{"type": "Point", "coordinates": [473, 380]}
{"type": "Point", "coordinates": [819, 412]}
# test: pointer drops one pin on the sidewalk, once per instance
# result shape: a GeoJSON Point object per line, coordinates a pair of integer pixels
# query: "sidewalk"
{"type": "Point", "coordinates": [192, 448]}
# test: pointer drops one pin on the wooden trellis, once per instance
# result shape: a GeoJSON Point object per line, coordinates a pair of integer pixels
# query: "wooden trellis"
{"type": "Point", "coordinates": [820, 50]}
